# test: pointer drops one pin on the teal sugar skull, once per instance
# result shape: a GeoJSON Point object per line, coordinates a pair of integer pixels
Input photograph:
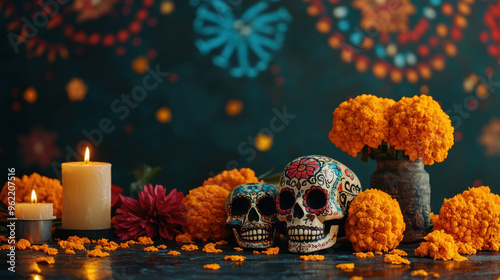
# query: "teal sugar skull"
{"type": "Point", "coordinates": [251, 210]}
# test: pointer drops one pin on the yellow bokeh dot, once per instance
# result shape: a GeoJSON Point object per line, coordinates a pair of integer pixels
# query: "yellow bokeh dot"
{"type": "Point", "coordinates": [391, 50]}
{"type": "Point", "coordinates": [30, 95]}
{"type": "Point", "coordinates": [379, 70]}
{"type": "Point", "coordinates": [234, 107]}
{"type": "Point", "coordinates": [334, 42]}
{"type": "Point", "coordinates": [451, 50]}
{"type": "Point", "coordinates": [425, 72]}
{"type": "Point", "coordinates": [76, 89]}
{"type": "Point", "coordinates": [438, 64]}
{"type": "Point", "coordinates": [367, 43]}
{"type": "Point", "coordinates": [346, 56]}
{"type": "Point", "coordinates": [482, 91]}
{"type": "Point", "coordinates": [361, 65]}
{"type": "Point", "coordinates": [312, 11]}
{"type": "Point", "coordinates": [263, 142]}
{"type": "Point", "coordinates": [442, 30]}
{"type": "Point", "coordinates": [424, 89]}
{"type": "Point", "coordinates": [323, 26]}
{"type": "Point", "coordinates": [140, 64]}
{"type": "Point", "coordinates": [412, 76]}
{"type": "Point", "coordinates": [461, 21]}
{"type": "Point", "coordinates": [167, 7]}
{"type": "Point", "coordinates": [464, 8]}
{"type": "Point", "coordinates": [164, 115]}
{"type": "Point", "coordinates": [396, 76]}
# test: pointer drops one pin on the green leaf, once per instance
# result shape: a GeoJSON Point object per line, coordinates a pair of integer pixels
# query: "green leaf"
{"type": "Point", "coordinates": [273, 179]}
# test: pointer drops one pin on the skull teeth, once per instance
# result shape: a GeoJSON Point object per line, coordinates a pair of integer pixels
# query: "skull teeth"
{"type": "Point", "coordinates": [307, 234]}
{"type": "Point", "coordinates": [255, 235]}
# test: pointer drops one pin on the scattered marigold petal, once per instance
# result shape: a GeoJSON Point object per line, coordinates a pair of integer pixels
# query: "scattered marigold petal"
{"type": "Point", "coordinates": [174, 253]}
{"type": "Point", "coordinates": [235, 258]}
{"type": "Point", "coordinates": [271, 251]}
{"type": "Point", "coordinates": [312, 257]}
{"type": "Point", "coordinates": [399, 252]}
{"type": "Point", "coordinates": [361, 255]}
{"type": "Point", "coordinates": [419, 272]}
{"type": "Point", "coordinates": [210, 248]}
{"type": "Point", "coordinates": [190, 247]}
{"type": "Point", "coordinates": [69, 252]}
{"type": "Point", "coordinates": [345, 266]}
{"type": "Point", "coordinates": [48, 260]}
{"type": "Point", "coordinates": [439, 245]}
{"type": "Point", "coordinates": [211, 266]}
{"type": "Point", "coordinates": [23, 244]}
{"type": "Point", "coordinates": [238, 249]}
{"type": "Point", "coordinates": [50, 251]}
{"type": "Point", "coordinates": [5, 247]}
{"type": "Point", "coordinates": [162, 246]}
{"type": "Point", "coordinates": [151, 249]}
{"type": "Point", "coordinates": [145, 240]}
{"type": "Point", "coordinates": [97, 253]}
{"type": "Point", "coordinates": [395, 259]}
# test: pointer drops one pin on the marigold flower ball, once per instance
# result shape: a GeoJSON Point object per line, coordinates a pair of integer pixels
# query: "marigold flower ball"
{"type": "Point", "coordinates": [374, 222]}
{"type": "Point", "coordinates": [47, 190]}
{"type": "Point", "coordinates": [421, 128]}
{"type": "Point", "coordinates": [472, 217]}
{"type": "Point", "coordinates": [206, 213]}
{"type": "Point", "coordinates": [229, 179]}
{"type": "Point", "coordinates": [360, 121]}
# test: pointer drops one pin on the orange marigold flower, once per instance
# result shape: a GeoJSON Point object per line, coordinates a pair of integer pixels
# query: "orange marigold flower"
{"type": "Point", "coordinates": [374, 222]}
{"type": "Point", "coordinates": [206, 213]}
{"type": "Point", "coordinates": [439, 245]}
{"type": "Point", "coordinates": [229, 179]}
{"type": "Point", "coordinates": [47, 190]}
{"type": "Point", "coordinates": [360, 121]}
{"type": "Point", "coordinates": [472, 218]}
{"type": "Point", "coordinates": [421, 128]}
{"type": "Point", "coordinates": [97, 253]}
{"type": "Point", "coordinates": [235, 258]}
{"type": "Point", "coordinates": [174, 253]}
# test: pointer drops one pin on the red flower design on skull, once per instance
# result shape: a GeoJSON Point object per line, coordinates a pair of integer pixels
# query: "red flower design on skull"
{"type": "Point", "coordinates": [302, 169]}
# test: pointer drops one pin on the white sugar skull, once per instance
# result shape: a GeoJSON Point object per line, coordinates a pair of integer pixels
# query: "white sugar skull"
{"type": "Point", "coordinates": [251, 210]}
{"type": "Point", "coordinates": [314, 195]}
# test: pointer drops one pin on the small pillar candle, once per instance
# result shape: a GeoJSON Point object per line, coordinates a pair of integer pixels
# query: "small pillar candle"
{"type": "Point", "coordinates": [86, 195]}
{"type": "Point", "coordinates": [34, 210]}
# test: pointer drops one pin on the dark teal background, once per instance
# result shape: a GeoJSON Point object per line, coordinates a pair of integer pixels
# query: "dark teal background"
{"type": "Point", "coordinates": [201, 139]}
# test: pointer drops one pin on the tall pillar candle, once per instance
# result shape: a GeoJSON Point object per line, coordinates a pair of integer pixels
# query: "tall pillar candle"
{"type": "Point", "coordinates": [86, 195]}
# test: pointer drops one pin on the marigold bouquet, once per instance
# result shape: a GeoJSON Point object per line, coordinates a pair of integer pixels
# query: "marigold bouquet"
{"type": "Point", "coordinates": [414, 127]}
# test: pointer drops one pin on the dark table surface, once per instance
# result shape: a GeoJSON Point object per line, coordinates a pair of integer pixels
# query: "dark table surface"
{"type": "Point", "coordinates": [134, 263]}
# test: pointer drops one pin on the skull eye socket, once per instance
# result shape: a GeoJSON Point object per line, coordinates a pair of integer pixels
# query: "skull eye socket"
{"type": "Point", "coordinates": [240, 206]}
{"type": "Point", "coordinates": [287, 199]}
{"type": "Point", "coordinates": [316, 199]}
{"type": "Point", "coordinates": [267, 206]}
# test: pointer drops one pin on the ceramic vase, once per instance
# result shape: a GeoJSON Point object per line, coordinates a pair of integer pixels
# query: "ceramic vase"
{"type": "Point", "coordinates": [408, 183]}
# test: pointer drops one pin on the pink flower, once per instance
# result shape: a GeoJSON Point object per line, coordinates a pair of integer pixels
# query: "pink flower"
{"type": "Point", "coordinates": [154, 214]}
{"type": "Point", "coordinates": [302, 169]}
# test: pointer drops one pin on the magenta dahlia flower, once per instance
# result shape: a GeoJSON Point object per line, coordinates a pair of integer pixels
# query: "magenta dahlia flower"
{"type": "Point", "coordinates": [155, 213]}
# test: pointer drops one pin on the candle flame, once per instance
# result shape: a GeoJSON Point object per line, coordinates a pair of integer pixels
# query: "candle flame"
{"type": "Point", "coordinates": [87, 156]}
{"type": "Point", "coordinates": [33, 196]}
